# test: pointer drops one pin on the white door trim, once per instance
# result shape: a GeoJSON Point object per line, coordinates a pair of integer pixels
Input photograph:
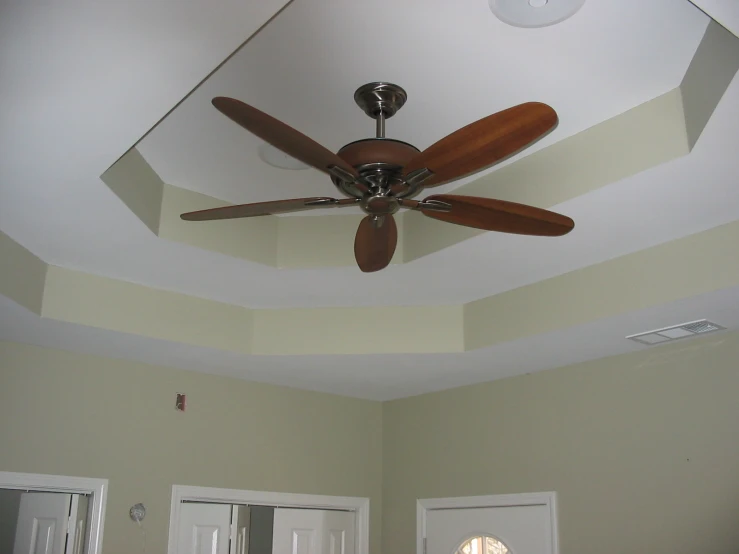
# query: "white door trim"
{"type": "Point", "coordinates": [548, 499]}
{"type": "Point", "coordinates": [98, 488]}
{"type": "Point", "coordinates": [182, 493]}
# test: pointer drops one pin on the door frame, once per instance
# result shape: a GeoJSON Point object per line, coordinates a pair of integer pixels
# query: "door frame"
{"type": "Point", "coordinates": [97, 488]}
{"type": "Point", "coordinates": [424, 505]}
{"type": "Point", "coordinates": [360, 506]}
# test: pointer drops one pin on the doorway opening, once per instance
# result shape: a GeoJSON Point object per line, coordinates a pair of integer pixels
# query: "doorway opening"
{"type": "Point", "coordinates": [232, 521]}
{"type": "Point", "coordinates": [51, 513]}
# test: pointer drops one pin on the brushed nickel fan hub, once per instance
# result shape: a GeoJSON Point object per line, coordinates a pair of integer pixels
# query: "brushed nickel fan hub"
{"type": "Point", "coordinates": [379, 204]}
{"type": "Point", "coordinates": [379, 163]}
{"type": "Point", "coordinates": [378, 179]}
{"type": "Point", "coordinates": [380, 98]}
{"type": "Point", "coordinates": [380, 175]}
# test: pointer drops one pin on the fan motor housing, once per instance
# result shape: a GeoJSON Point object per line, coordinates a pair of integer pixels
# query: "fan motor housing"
{"type": "Point", "coordinates": [377, 150]}
{"type": "Point", "coordinates": [379, 161]}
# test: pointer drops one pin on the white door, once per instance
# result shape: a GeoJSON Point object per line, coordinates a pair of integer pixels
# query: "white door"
{"type": "Point", "coordinates": [77, 524]}
{"type": "Point", "coordinates": [338, 532]}
{"type": "Point", "coordinates": [204, 528]}
{"type": "Point", "coordinates": [240, 522]}
{"type": "Point", "coordinates": [45, 518]}
{"type": "Point", "coordinates": [303, 531]}
{"type": "Point", "coordinates": [499, 530]}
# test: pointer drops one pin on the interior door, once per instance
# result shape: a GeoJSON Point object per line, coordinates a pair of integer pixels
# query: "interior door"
{"type": "Point", "coordinates": [240, 524]}
{"type": "Point", "coordinates": [297, 531]}
{"type": "Point", "coordinates": [77, 531]}
{"type": "Point", "coordinates": [204, 528]}
{"type": "Point", "coordinates": [43, 519]}
{"type": "Point", "coordinates": [338, 532]}
{"type": "Point", "coordinates": [500, 530]}
{"type": "Point", "coordinates": [304, 531]}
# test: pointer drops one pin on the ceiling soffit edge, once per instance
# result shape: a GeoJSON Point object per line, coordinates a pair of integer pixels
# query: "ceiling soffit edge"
{"type": "Point", "coordinates": [631, 282]}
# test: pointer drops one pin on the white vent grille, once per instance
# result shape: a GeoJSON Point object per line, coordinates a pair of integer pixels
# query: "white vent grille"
{"type": "Point", "coordinates": [682, 331]}
{"type": "Point", "coordinates": [701, 327]}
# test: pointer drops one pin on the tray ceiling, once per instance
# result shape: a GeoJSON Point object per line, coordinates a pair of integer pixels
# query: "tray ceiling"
{"type": "Point", "coordinates": [653, 205]}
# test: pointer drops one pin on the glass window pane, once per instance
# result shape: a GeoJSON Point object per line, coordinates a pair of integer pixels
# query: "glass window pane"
{"type": "Point", "coordinates": [482, 545]}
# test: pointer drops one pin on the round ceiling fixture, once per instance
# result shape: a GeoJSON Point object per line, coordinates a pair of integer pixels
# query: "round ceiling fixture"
{"type": "Point", "coordinates": [534, 13]}
{"type": "Point", "coordinates": [277, 158]}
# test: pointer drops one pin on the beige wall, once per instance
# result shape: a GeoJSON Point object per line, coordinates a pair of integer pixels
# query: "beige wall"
{"type": "Point", "coordinates": [72, 414]}
{"type": "Point", "coordinates": [642, 449]}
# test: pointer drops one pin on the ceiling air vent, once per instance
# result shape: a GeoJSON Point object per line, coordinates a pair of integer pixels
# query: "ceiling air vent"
{"type": "Point", "coordinates": [682, 331]}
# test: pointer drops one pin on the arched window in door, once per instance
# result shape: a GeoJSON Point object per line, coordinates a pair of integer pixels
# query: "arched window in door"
{"type": "Point", "coordinates": [482, 545]}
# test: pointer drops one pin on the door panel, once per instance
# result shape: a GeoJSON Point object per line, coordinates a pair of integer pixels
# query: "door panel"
{"type": "Point", "coordinates": [297, 531]}
{"type": "Point", "coordinates": [204, 529]}
{"type": "Point", "coordinates": [338, 532]}
{"type": "Point", "coordinates": [240, 525]}
{"type": "Point", "coordinates": [304, 541]}
{"type": "Point", "coordinates": [42, 535]}
{"type": "Point", "coordinates": [302, 531]}
{"type": "Point", "coordinates": [77, 524]}
{"type": "Point", "coordinates": [42, 523]}
{"type": "Point", "coordinates": [336, 542]}
{"type": "Point", "coordinates": [205, 539]}
{"type": "Point", "coordinates": [522, 529]}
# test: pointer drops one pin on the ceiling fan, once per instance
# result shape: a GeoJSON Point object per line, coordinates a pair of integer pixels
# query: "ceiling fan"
{"type": "Point", "coordinates": [382, 175]}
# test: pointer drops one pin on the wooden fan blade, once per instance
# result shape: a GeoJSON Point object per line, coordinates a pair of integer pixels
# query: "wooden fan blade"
{"type": "Point", "coordinates": [375, 242]}
{"type": "Point", "coordinates": [484, 142]}
{"type": "Point", "coordinates": [267, 208]}
{"type": "Point", "coordinates": [278, 134]}
{"type": "Point", "coordinates": [499, 215]}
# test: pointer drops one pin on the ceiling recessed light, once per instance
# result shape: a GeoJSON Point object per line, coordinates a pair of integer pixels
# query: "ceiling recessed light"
{"type": "Point", "coordinates": [277, 158]}
{"type": "Point", "coordinates": [534, 13]}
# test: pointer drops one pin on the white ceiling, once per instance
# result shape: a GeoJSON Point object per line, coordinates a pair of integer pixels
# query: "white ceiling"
{"type": "Point", "coordinates": [70, 110]}
{"type": "Point", "coordinates": [725, 12]}
{"type": "Point", "coordinates": [457, 62]}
